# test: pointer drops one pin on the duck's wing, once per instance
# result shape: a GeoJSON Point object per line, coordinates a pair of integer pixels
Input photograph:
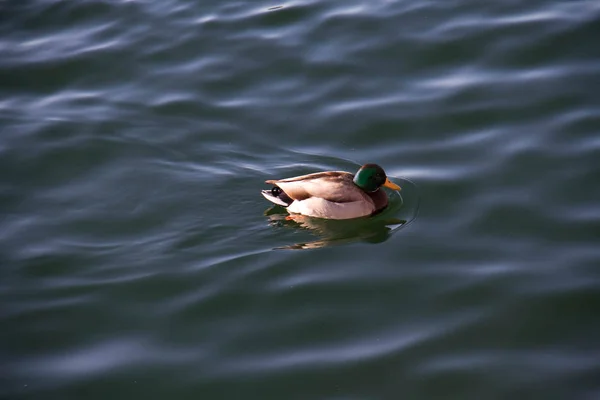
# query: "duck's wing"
{"type": "Point", "coordinates": [335, 186]}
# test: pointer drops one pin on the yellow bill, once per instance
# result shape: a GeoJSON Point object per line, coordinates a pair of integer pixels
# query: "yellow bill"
{"type": "Point", "coordinates": [391, 185]}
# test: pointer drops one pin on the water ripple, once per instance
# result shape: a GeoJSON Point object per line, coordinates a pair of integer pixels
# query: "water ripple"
{"type": "Point", "coordinates": [134, 242]}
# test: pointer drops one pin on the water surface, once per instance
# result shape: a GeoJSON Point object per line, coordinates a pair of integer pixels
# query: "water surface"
{"type": "Point", "coordinates": [137, 259]}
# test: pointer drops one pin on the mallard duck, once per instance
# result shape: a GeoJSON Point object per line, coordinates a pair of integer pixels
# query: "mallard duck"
{"type": "Point", "coordinates": [333, 194]}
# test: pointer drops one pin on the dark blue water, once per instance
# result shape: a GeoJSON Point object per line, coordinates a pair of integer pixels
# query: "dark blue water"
{"type": "Point", "coordinates": [139, 260]}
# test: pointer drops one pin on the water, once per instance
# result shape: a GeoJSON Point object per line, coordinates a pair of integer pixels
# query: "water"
{"type": "Point", "coordinates": [139, 259]}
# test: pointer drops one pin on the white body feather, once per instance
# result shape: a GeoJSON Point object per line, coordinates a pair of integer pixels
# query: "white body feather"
{"type": "Point", "coordinates": [321, 208]}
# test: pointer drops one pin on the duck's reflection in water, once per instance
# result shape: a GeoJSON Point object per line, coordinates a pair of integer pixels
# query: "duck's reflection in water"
{"type": "Point", "coordinates": [376, 229]}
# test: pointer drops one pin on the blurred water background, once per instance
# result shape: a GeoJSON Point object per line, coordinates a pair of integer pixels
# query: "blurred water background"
{"type": "Point", "coordinates": [139, 260]}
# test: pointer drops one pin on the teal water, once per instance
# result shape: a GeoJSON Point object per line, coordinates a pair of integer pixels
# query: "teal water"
{"type": "Point", "coordinates": [139, 260]}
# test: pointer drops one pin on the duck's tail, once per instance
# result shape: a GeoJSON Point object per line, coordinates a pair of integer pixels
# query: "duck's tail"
{"type": "Point", "coordinates": [277, 196]}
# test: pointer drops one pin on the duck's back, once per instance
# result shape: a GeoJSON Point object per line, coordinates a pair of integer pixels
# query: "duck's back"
{"type": "Point", "coordinates": [335, 186]}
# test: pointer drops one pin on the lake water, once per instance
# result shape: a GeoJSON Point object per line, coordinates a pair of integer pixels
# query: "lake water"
{"type": "Point", "coordinates": [139, 260]}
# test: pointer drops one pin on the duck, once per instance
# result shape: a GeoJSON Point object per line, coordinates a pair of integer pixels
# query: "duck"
{"type": "Point", "coordinates": [333, 194]}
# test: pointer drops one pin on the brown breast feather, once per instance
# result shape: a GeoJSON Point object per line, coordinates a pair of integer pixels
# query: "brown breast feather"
{"type": "Point", "coordinates": [380, 199]}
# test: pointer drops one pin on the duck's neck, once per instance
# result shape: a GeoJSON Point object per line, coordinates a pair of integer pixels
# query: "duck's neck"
{"type": "Point", "coordinates": [379, 198]}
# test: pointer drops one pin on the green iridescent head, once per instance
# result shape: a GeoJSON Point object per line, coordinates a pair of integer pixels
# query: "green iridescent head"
{"type": "Point", "coordinates": [371, 177]}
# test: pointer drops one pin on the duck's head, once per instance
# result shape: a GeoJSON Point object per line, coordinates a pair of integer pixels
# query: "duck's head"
{"type": "Point", "coordinates": [371, 177]}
